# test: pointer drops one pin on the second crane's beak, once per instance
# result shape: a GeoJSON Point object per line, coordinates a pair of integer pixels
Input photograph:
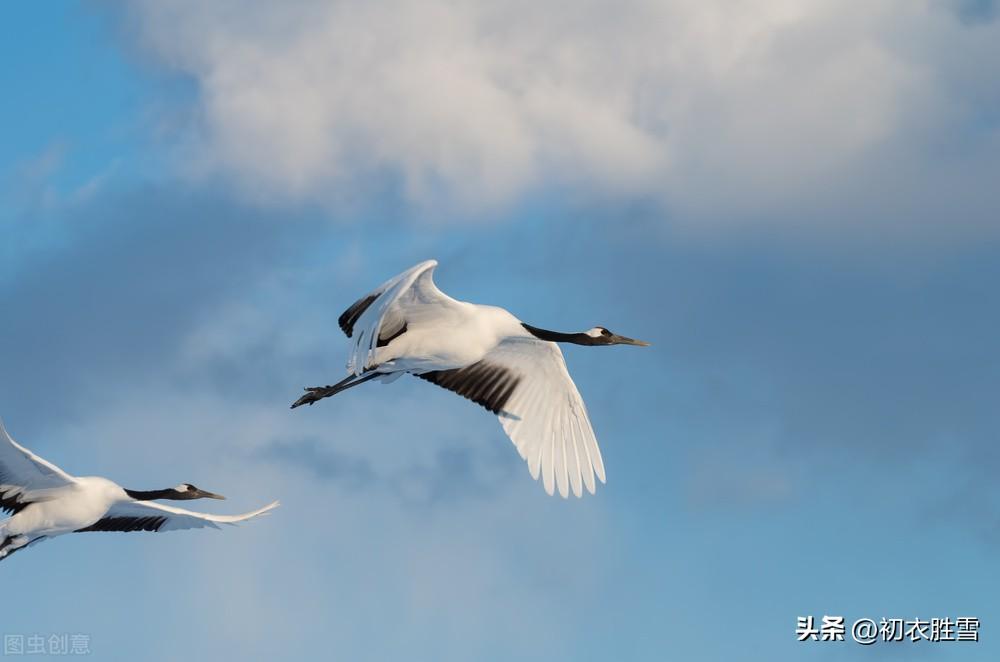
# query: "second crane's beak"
{"type": "Point", "coordinates": [623, 340]}
{"type": "Point", "coordinates": [202, 494]}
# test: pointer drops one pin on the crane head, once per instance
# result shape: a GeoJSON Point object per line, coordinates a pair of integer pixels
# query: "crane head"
{"type": "Point", "coordinates": [187, 491]}
{"type": "Point", "coordinates": [601, 336]}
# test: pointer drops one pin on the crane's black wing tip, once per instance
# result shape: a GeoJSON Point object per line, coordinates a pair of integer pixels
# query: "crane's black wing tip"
{"type": "Point", "coordinates": [12, 504]}
{"type": "Point", "coordinates": [487, 384]}
{"type": "Point", "coordinates": [350, 316]}
{"type": "Point", "coordinates": [126, 524]}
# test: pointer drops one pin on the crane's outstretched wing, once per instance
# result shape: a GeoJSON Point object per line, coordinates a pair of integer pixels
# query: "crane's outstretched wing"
{"type": "Point", "coordinates": [24, 476]}
{"type": "Point", "coordinates": [148, 516]}
{"type": "Point", "coordinates": [525, 382]}
{"type": "Point", "coordinates": [384, 313]}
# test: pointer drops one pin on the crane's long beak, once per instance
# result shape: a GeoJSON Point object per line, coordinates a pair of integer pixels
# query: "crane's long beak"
{"type": "Point", "coordinates": [202, 494]}
{"type": "Point", "coordinates": [623, 340]}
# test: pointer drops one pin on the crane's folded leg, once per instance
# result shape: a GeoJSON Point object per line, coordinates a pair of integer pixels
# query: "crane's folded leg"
{"type": "Point", "coordinates": [317, 393]}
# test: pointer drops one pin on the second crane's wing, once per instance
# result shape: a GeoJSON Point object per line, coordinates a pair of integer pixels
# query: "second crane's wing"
{"type": "Point", "coordinates": [524, 381]}
{"type": "Point", "coordinates": [382, 314]}
{"type": "Point", "coordinates": [149, 516]}
{"type": "Point", "coordinates": [24, 476]}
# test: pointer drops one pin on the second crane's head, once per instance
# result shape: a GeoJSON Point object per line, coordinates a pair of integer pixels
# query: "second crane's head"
{"type": "Point", "coordinates": [601, 336]}
{"type": "Point", "coordinates": [596, 336]}
{"type": "Point", "coordinates": [183, 492]}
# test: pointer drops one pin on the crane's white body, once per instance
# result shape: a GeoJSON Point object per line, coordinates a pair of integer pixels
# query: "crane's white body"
{"type": "Point", "coordinates": [461, 335]}
{"type": "Point", "coordinates": [63, 510]}
{"type": "Point", "coordinates": [47, 502]}
{"type": "Point", "coordinates": [423, 331]}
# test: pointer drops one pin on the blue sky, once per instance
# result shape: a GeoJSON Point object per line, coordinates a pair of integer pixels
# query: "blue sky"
{"type": "Point", "coordinates": [795, 204]}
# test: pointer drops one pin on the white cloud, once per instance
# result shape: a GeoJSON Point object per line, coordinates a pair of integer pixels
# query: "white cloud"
{"type": "Point", "coordinates": [717, 109]}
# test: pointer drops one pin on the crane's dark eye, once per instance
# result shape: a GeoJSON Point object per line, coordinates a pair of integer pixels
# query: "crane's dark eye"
{"type": "Point", "coordinates": [605, 332]}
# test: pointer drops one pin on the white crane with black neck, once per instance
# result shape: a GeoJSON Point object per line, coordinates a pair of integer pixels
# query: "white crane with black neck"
{"type": "Point", "coordinates": [487, 355]}
{"type": "Point", "coordinates": [44, 502]}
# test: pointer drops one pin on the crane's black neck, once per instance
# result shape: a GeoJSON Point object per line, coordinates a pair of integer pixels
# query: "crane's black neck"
{"type": "Point", "coordinates": [151, 495]}
{"type": "Point", "coordinates": [556, 336]}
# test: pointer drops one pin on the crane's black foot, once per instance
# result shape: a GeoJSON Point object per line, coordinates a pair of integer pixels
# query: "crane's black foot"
{"type": "Point", "coordinates": [313, 394]}
{"type": "Point", "coordinates": [316, 393]}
